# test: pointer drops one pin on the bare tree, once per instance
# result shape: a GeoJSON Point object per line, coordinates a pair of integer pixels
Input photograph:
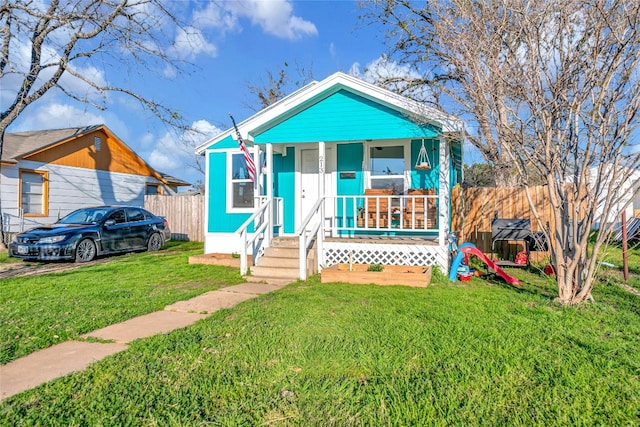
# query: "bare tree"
{"type": "Point", "coordinates": [453, 60]}
{"type": "Point", "coordinates": [554, 91]}
{"type": "Point", "coordinates": [278, 85]}
{"type": "Point", "coordinates": [66, 38]}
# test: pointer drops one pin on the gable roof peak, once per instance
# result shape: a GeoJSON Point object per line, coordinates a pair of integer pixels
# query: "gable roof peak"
{"type": "Point", "coordinates": [331, 84]}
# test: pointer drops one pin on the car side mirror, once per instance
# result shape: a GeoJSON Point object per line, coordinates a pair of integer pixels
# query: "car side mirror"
{"type": "Point", "coordinates": [109, 222]}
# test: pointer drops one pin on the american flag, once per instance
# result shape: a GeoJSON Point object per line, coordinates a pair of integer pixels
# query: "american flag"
{"type": "Point", "coordinates": [248, 158]}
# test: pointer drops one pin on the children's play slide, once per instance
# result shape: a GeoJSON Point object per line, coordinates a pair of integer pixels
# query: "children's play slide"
{"type": "Point", "coordinates": [470, 249]}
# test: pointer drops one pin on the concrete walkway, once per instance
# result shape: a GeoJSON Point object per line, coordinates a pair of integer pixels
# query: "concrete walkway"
{"type": "Point", "coordinates": [72, 356]}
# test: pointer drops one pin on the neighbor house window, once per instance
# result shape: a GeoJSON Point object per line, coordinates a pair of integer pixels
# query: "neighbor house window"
{"type": "Point", "coordinates": [241, 185]}
{"type": "Point", "coordinates": [386, 167]}
{"type": "Point", "coordinates": [33, 192]}
{"type": "Point", "coordinates": [151, 190]}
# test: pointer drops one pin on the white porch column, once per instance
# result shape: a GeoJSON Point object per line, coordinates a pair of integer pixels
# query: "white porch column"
{"type": "Point", "coordinates": [443, 199]}
{"type": "Point", "coordinates": [257, 187]}
{"type": "Point", "coordinates": [322, 163]}
{"type": "Point", "coordinates": [269, 184]}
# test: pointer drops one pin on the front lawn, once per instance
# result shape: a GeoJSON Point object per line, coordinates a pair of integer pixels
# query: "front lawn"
{"type": "Point", "coordinates": [39, 311]}
{"type": "Point", "coordinates": [334, 354]}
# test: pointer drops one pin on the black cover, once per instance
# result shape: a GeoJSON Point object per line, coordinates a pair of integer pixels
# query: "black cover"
{"type": "Point", "coordinates": [510, 229]}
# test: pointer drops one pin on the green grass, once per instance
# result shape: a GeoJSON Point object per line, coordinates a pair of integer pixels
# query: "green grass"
{"type": "Point", "coordinates": [39, 311]}
{"type": "Point", "coordinates": [481, 353]}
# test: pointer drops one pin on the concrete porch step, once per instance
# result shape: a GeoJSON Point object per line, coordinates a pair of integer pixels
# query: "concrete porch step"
{"type": "Point", "coordinates": [285, 242]}
{"type": "Point", "coordinates": [269, 280]}
{"type": "Point", "coordinates": [281, 252]}
{"type": "Point", "coordinates": [285, 262]}
{"type": "Point", "coordinates": [277, 272]}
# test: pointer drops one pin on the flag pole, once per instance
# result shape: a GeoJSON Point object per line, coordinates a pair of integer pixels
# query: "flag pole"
{"type": "Point", "coordinates": [248, 157]}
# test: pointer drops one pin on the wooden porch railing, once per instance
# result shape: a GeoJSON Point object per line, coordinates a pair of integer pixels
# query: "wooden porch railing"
{"type": "Point", "coordinates": [403, 213]}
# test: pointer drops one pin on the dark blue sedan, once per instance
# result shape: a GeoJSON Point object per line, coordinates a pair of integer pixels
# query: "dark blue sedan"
{"type": "Point", "coordinates": [86, 233]}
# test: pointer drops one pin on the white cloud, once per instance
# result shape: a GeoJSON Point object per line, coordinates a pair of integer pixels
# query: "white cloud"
{"type": "Point", "coordinates": [392, 76]}
{"type": "Point", "coordinates": [56, 116]}
{"type": "Point", "coordinates": [332, 50]}
{"type": "Point", "coordinates": [174, 154]}
{"type": "Point", "coordinates": [275, 17]}
{"type": "Point", "coordinates": [189, 43]}
{"type": "Point", "coordinates": [216, 16]}
{"type": "Point", "coordinates": [20, 61]}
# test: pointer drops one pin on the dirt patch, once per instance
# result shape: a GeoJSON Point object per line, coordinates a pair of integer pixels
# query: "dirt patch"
{"type": "Point", "coordinates": [25, 268]}
{"type": "Point", "coordinates": [630, 289]}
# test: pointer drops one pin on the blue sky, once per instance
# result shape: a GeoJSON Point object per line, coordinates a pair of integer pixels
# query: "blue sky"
{"type": "Point", "coordinates": [240, 41]}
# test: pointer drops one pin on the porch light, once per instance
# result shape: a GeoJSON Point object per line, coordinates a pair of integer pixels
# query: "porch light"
{"type": "Point", "coordinates": [422, 162]}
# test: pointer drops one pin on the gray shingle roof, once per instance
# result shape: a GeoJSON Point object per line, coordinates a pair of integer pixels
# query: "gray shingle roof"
{"type": "Point", "coordinates": [18, 144]}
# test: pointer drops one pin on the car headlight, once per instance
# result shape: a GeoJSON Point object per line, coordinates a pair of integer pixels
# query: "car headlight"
{"type": "Point", "coordinates": [52, 239]}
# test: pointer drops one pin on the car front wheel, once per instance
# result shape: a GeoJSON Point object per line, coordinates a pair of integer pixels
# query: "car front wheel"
{"type": "Point", "coordinates": [85, 251]}
{"type": "Point", "coordinates": [155, 242]}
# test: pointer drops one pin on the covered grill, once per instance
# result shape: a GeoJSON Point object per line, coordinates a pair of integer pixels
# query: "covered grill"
{"type": "Point", "coordinates": [511, 229]}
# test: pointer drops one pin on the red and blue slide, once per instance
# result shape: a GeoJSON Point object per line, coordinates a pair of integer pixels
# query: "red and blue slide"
{"type": "Point", "coordinates": [471, 249]}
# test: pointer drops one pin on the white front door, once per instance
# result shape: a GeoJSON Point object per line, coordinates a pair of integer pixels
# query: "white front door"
{"type": "Point", "coordinates": [308, 181]}
{"type": "Point", "coordinates": [309, 186]}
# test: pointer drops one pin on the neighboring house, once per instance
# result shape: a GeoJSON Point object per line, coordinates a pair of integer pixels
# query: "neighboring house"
{"type": "Point", "coordinates": [626, 197]}
{"type": "Point", "coordinates": [377, 167]}
{"type": "Point", "coordinates": [46, 174]}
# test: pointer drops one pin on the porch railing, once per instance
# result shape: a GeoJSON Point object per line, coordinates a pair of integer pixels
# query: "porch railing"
{"type": "Point", "coordinates": [349, 215]}
{"type": "Point", "coordinates": [396, 213]}
{"type": "Point", "coordinates": [266, 217]}
{"type": "Point", "coordinates": [305, 235]}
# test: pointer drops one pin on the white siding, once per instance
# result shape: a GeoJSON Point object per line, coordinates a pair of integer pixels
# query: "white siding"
{"type": "Point", "coordinates": [9, 191]}
{"type": "Point", "coordinates": [70, 188]}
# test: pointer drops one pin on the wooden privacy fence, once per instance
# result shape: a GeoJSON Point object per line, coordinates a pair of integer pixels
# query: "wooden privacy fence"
{"type": "Point", "coordinates": [475, 208]}
{"type": "Point", "coordinates": [184, 213]}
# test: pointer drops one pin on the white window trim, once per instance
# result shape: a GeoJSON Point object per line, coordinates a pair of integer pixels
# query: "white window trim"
{"type": "Point", "coordinates": [406, 144]}
{"type": "Point", "coordinates": [229, 185]}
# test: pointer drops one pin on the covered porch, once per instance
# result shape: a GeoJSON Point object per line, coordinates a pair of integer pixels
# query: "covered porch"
{"type": "Point", "coordinates": [395, 225]}
{"type": "Point", "coordinates": [338, 162]}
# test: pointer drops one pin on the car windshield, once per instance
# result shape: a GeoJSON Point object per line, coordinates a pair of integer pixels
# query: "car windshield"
{"type": "Point", "coordinates": [84, 216]}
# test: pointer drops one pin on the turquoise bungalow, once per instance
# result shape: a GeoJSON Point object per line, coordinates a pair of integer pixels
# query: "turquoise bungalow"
{"type": "Point", "coordinates": [347, 172]}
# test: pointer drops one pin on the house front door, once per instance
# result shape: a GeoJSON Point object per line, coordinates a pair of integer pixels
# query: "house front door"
{"type": "Point", "coordinates": [309, 186]}
{"type": "Point", "coordinates": [308, 181]}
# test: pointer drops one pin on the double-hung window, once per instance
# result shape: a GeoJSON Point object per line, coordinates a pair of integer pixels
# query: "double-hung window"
{"type": "Point", "coordinates": [386, 168]}
{"type": "Point", "coordinates": [33, 189]}
{"type": "Point", "coordinates": [241, 184]}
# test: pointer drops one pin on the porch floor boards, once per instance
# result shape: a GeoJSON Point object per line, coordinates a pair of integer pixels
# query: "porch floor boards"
{"type": "Point", "coordinates": [399, 240]}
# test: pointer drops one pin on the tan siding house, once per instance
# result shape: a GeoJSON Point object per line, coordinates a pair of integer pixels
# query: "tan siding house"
{"type": "Point", "coordinates": [48, 173]}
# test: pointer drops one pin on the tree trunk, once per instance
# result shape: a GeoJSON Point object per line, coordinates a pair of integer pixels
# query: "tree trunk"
{"type": "Point", "coordinates": [504, 171]}
{"type": "Point", "coordinates": [3, 243]}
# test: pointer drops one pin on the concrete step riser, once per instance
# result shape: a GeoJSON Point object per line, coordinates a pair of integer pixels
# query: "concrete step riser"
{"type": "Point", "coordinates": [285, 243]}
{"type": "Point", "coordinates": [269, 280]}
{"type": "Point", "coordinates": [277, 272]}
{"type": "Point", "coordinates": [277, 252]}
{"type": "Point", "coordinates": [267, 261]}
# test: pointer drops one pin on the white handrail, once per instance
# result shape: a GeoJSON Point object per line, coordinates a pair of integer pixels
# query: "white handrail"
{"type": "Point", "coordinates": [242, 230]}
{"type": "Point", "coordinates": [302, 235]}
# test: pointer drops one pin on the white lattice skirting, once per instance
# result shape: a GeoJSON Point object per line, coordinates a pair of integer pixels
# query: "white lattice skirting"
{"type": "Point", "coordinates": [389, 254]}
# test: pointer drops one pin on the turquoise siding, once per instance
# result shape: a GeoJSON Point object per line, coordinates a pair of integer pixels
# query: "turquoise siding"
{"type": "Point", "coordinates": [350, 158]}
{"type": "Point", "coordinates": [219, 220]}
{"type": "Point", "coordinates": [425, 178]}
{"type": "Point", "coordinates": [284, 186]}
{"type": "Point", "coordinates": [344, 116]}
